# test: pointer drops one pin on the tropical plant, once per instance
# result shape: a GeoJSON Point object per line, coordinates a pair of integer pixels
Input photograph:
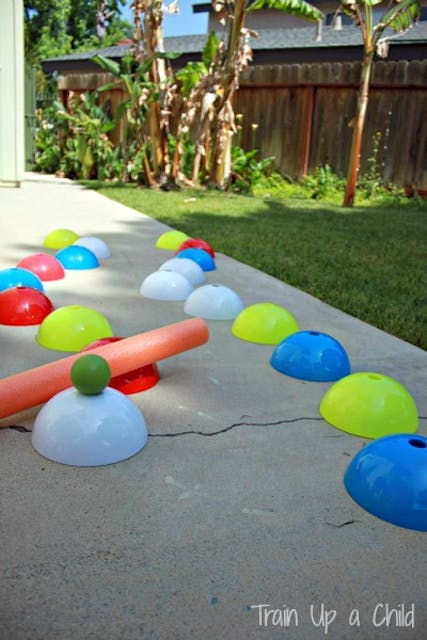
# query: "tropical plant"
{"type": "Point", "coordinates": [247, 170]}
{"type": "Point", "coordinates": [323, 183]}
{"type": "Point", "coordinates": [200, 95]}
{"type": "Point", "coordinates": [399, 16]}
{"type": "Point", "coordinates": [139, 90]}
{"type": "Point", "coordinates": [147, 48]}
{"type": "Point", "coordinates": [208, 88]}
{"type": "Point", "coordinates": [226, 60]}
{"type": "Point", "coordinates": [48, 150]}
{"type": "Point", "coordinates": [88, 152]}
{"type": "Point", "coordinates": [179, 127]}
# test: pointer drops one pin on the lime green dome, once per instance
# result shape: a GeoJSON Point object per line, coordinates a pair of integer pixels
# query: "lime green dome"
{"type": "Point", "coordinates": [370, 405]}
{"type": "Point", "coordinates": [72, 328]}
{"type": "Point", "coordinates": [265, 323]}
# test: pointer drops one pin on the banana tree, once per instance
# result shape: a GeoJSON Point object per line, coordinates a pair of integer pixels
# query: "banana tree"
{"type": "Point", "coordinates": [148, 46]}
{"type": "Point", "coordinates": [139, 92]}
{"type": "Point", "coordinates": [209, 99]}
{"type": "Point", "coordinates": [237, 56]}
{"type": "Point", "coordinates": [399, 16]}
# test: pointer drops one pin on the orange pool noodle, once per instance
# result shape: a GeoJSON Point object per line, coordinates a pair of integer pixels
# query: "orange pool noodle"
{"type": "Point", "coordinates": [35, 386]}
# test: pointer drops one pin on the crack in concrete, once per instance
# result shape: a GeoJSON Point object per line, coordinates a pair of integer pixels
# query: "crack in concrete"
{"type": "Point", "coordinates": [247, 424]}
{"type": "Point", "coordinates": [343, 524]}
{"type": "Point", "coordinates": [23, 429]}
{"type": "Point", "coordinates": [229, 428]}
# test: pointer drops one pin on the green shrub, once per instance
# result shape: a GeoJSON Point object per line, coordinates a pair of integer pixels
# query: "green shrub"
{"type": "Point", "coordinates": [47, 143]}
{"type": "Point", "coordinates": [323, 183]}
{"type": "Point", "coordinates": [246, 170]}
{"type": "Point", "coordinates": [75, 143]}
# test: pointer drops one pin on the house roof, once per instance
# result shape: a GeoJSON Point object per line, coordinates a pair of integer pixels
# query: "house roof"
{"type": "Point", "coordinates": [268, 40]}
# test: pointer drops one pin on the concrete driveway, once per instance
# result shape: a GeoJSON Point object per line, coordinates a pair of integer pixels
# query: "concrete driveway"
{"type": "Point", "coordinates": [240, 528]}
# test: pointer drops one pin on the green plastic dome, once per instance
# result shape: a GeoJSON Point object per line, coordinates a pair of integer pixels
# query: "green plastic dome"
{"type": "Point", "coordinates": [264, 323]}
{"type": "Point", "coordinates": [60, 238]}
{"type": "Point", "coordinates": [171, 240]}
{"type": "Point", "coordinates": [370, 405]}
{"type": "Point", "coordinates": [72, 328]}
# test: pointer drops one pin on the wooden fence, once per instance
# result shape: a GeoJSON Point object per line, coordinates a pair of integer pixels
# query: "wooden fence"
{"type": "Point", "coordinates": [302, 114]}
{"type": "Point", "coordinates": [74, 83]}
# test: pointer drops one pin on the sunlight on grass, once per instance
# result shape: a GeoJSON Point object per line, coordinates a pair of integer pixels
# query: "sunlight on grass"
{"type": "Point", "coordinates": [368, 262]}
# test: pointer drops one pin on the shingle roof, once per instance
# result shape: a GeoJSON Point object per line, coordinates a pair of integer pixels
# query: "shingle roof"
{"type": "Point", "coordinates": [268, 39]}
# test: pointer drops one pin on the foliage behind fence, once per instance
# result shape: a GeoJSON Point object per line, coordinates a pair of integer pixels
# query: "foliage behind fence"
{"type": "Point", "coordinates": [302, 114]}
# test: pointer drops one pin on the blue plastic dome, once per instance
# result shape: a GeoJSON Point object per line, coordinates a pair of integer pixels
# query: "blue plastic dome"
{"type": "Point", "coordinates": [388, 478]}
{"type": "Point", "coordinates": [203, 259]}
{"type": "Point", "coordinates": [77, 258]}
{"type": "Point", "coordinates": [17, 277]}
{"type": "Point", "coordinates": [311, 355]}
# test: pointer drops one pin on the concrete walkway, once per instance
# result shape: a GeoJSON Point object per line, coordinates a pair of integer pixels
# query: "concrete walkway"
{"type": "Point", "coordinates": [186, 539]}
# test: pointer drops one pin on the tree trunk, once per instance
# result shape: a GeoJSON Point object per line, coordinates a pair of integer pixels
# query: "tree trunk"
{"type": "Point", "coordinates": [151, 45]}
{"type": "Point", "coordinates": [221, 140]}
{"type": "Point", "coordinates": [358, 125]}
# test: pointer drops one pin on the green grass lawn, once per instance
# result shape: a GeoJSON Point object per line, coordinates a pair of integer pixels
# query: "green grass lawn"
{"type": "Point", "coordinates": [368, 262]}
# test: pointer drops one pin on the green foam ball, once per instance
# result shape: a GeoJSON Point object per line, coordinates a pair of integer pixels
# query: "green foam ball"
{"type": "Point", "coordinates": [90, 374]}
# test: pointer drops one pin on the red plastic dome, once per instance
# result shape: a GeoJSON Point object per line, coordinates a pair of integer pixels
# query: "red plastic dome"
{"type": "Point", "coordinates": [22, 306]}
{"type": "Point", "coordinates": [134, 381]}
{"type": "Point", "coordinates": [45, 266]}
{"type": "Point", "coordinates": [197, 243]}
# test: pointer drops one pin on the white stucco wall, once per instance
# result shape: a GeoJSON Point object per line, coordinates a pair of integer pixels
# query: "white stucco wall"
{"type": "Point", "coordinates": [11, 93]}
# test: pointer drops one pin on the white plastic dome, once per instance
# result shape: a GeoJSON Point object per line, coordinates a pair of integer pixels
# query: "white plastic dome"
{"type": "Point", "coordinates": [166, 285]}
{"type": "Point", "coordinates": [186, 267]}
{"type": "Point", "coordinates": [88, 431]}
{"type": "Point", "coordinates": [96, 245]}
{"type": "Point", "coordinates": [213, 302]}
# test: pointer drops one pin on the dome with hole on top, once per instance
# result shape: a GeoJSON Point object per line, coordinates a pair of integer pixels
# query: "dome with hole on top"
{"type": "Point", "coordinates": [96, 245]}
{"type": "Point", "coordinates": [187, 268]}
{"type": "Point", "coordinates": [388, 479]}
{"type": "Point", "coordinates": [202, 257]}
{"type": "Point", "coordinates": [311, 355]}
{"type": "Point", "coordinates": [18, 277]}
{"type": "Point", "coordinates": [370, 405]}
